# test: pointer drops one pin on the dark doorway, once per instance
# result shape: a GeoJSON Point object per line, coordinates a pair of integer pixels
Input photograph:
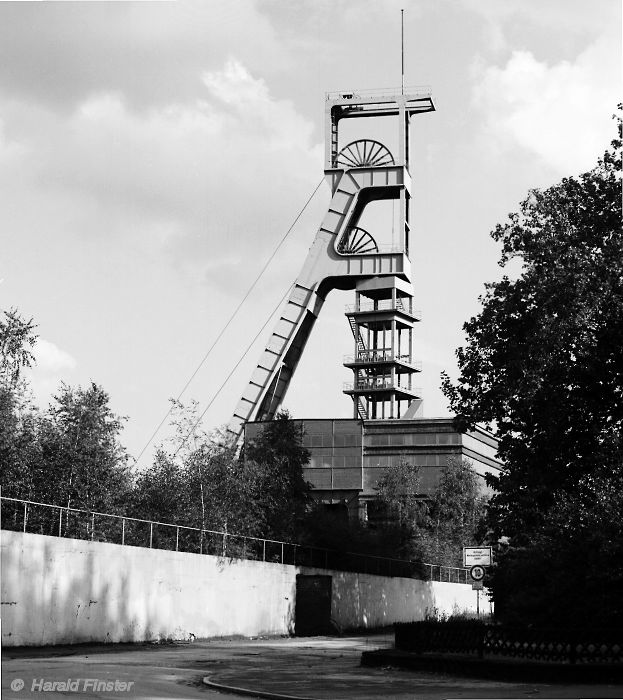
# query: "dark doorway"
{"type": "Point", "coordinates": [312, 612]}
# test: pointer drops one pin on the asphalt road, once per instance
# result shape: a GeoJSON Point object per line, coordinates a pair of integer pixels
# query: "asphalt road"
{"type": "Point", "coordinates": [316, 667]}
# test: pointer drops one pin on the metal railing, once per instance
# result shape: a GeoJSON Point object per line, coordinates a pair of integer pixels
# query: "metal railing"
{"type": "Point", "coordinates": [382, 356]}
{"type": "Point", "coordinates": [60, 521]}
{"type": "Point", "coordinates": [383, 305]}
{"type": "Point", "coordinates": [409, 91]}
{"type": "Point", "coordinates": [379, 384]}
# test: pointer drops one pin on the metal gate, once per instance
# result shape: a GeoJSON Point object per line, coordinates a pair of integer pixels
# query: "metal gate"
{"type": "Point", "coordinates": [312, 612]}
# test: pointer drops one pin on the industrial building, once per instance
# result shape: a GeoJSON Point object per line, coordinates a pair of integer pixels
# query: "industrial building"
{"type": "Point", "coordinates": [348, 456]}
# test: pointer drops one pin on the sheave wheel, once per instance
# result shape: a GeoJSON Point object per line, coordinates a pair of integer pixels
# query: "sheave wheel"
{"type": "Point", "coordinates": [364, 153]}
{"type": "Point", "coordinates": [357, 241]}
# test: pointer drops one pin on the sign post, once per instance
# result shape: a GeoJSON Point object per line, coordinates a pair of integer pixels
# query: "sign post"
{"type": "Point", "coordinates": [477, 558]}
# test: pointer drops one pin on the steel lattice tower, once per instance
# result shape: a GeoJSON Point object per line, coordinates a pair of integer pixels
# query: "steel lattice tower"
{"type": "Point", "coordinates": [345, 256]}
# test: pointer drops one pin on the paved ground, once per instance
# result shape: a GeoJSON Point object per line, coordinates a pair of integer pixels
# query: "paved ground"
{"type": "Point", "coordinates": [316, 667]}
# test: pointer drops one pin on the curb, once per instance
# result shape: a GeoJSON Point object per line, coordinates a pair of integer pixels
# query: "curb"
{"type": "Point", "coordinates": [251, 693]}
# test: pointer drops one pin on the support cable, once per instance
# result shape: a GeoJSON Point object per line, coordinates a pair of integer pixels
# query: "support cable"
{"type": "Point", "coordinates": [235, 367]}
{"type": "Point", "coordinates": [231, 318]}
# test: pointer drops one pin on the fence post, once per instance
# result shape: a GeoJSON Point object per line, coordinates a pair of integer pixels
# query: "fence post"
{"type": "Point", "coordinates": [282, 553]}
{"type": "Point", "coordinates": [177, 538]}
{"type": "Point", "coordinates": [25, 515]}
{"type": "Point", "coordinates": [263, 550]}
{"type": "Point", "coordinates": [294, 560]}
{"type": "Point", "coordinates": [60, 521]}
{"type": "Point", "coordinates": [151, 533]}
{"type": "Point", "coordinates": [92, 526]}
{"type": "Point", "coordinates": [123, 531]}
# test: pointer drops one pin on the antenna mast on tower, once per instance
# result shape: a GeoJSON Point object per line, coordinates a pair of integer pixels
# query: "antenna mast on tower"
{"type": "Point", "coordinates": [402, 52]}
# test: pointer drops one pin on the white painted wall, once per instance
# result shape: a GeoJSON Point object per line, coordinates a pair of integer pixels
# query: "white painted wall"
{"type": "Point", "coordinates": [64, 591]}
{"type": "Point", "coordinates": [366, 601]}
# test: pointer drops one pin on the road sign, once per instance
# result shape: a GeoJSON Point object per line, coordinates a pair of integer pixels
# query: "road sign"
{"type": "Point", "coordinates": [477, 585]}
{"type": "Point", "coordinates": [477, 572]}
{"type": "Point", "coordinates": [477, 556]}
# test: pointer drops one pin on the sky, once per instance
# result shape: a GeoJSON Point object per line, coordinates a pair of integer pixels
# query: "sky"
{"type": "Point", "coordinates": [153, 155]}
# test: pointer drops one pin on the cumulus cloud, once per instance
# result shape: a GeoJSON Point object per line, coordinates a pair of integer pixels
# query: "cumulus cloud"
{"type": "Point", "coordinates": [561, 112]}
{"type": "Point", "coordinates": [50, 358]}
{"type": "Point", "coordinates": [52, 365]}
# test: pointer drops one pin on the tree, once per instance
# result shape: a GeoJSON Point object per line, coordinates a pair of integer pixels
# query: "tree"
{"type": "Point", "coordinates": [17, 415]}
{"type": "Point", "coordinates": [571, 572]}
{"type": "Point", "coordinates": [279, 457]}
{"type": "Point", "coordinates": [17, 337]}
{"type": "Point", "coordinates": [231, 492]}
{"type": "Point", "coordinates": [161, 491]}
{"type": "Point", "coordinates": [197, 479]}
{"type": "Point", "coordinates": [454, 514]}
{"type": "Point", "coordinates": [399, 491]}
{"type": "Point", "coordinates": [83, 464]}
{"type": "Point", "coordinates": [68, 455]}
{"type": "Point", "coordinates": [543, 358]}
{"type": "Point", "coordinates": [436, 528]}
{"type": "Point", "coordinates": [216, 490]}
{"type": "Point", "coordinates": [543, 362]}
{"type": "Point", "coordinates": [19, 443]}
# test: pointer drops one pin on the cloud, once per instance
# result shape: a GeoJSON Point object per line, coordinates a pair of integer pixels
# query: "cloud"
{"type": "Point", "coordinates": [52, 366]}
{"type": "Point", "coordinates": [50, 358]}
{"type": "Point", "coordinates": [189, 180]}
{"type": "Point", "coordinates": [560, 112]}
{"type": "Point", "coordinates": [560, 18]}
{"type": "Point", "coordinates": [56, 54]}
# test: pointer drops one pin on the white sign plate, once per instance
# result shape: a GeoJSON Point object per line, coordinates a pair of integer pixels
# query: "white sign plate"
{"type": "Point", "coordinates": [477, 556]}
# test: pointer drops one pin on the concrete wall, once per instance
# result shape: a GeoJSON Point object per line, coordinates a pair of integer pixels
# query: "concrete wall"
{"type": "Point", "coordinates": [366, 601]}
{"type": "Point", "coordinates": [63, 591]}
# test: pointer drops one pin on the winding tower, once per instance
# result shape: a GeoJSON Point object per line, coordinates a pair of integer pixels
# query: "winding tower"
{"type": "Point", "coordinates": [344, 255]}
